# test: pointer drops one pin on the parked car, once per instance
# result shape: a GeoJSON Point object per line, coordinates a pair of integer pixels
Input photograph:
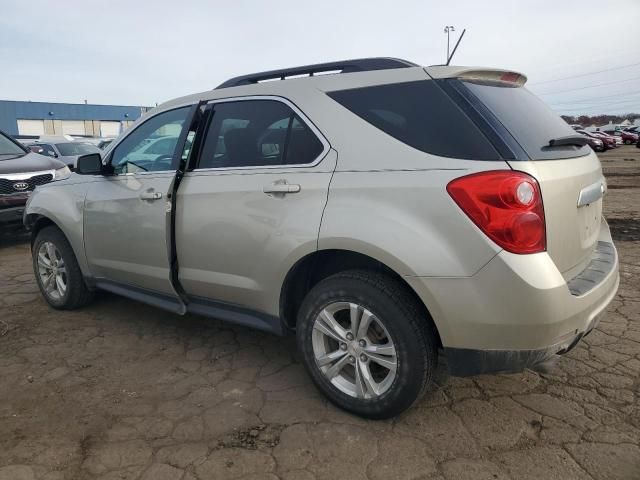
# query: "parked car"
{"type": "Point", "coordinates": [64, 149]}
{"type": "Point", "coordinates": [100, 142]}
{"type": "Point", "coordinates": [91, 140]}
{"type": "Point", "coordinates": [615, 134]}
{"type": "Point", "coordinates": [609, 140]}
{"type": "Point", "coordinates": [628, 138]}
{"type": "Point", "coordinates": [621, 136]}
{"type": "Point", "coordinates": [343, 207]}
{"type": "Point", "coordinates": [105, 142]}
{"type": "Point", "coordinates": [21, 171]}
{"type": "Point", "coordinates": [594, 142]}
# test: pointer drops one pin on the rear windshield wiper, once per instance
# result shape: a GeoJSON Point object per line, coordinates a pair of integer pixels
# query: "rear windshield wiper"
{"type": "Point", "coordinates": [578, 140]}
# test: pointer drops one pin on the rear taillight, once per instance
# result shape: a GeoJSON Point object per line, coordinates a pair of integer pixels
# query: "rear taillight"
{"type": "Point", "coordinates": [506, 206]}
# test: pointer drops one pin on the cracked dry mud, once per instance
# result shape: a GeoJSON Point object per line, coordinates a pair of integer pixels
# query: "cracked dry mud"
{"type": "Point", "coordinates": [120, 390]}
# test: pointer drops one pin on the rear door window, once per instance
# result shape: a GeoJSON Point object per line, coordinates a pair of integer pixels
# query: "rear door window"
{"type": "Point", "coordinates": [419, 114]}
{"type": "Point", "coordinates": [527, 118]}
{"type": "Point", "coordinates": [258, 133]}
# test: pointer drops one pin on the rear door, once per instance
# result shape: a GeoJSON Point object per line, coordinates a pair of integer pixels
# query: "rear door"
{"type": "Point", "coordinates": [570, 176]}
{"type": "Point", "coordinates": [253, 203]}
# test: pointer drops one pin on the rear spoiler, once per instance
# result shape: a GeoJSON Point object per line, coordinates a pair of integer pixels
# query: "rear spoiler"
{"type": "Point", "coordinates": [507, 78]}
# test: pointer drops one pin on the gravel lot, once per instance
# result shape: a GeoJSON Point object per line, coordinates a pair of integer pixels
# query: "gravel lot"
{"type": "Point", "coordinates": [121, 390]}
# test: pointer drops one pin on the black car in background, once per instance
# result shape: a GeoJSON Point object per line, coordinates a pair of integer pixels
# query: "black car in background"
{"type": "Point", "coordinates": [21, 171]}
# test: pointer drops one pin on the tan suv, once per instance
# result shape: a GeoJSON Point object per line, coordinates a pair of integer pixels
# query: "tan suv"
{"type": "Point", "coordinates": [379, 209]}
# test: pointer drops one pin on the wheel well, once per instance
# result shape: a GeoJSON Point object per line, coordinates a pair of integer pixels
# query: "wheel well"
{"type": "Point", "coordinates": [36, 223]}
{"type": "Point", "coordinates": [317, 266]}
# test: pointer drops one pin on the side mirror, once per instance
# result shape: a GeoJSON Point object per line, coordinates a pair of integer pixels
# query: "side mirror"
{"type": "Point", "coordinates": [90, 164]}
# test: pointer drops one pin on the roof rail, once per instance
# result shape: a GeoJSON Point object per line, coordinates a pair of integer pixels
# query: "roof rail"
{"type": "Point", "coordinates": [345, 66]}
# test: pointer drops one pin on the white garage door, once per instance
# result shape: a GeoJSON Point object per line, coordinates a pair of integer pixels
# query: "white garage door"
{"type": "Point", "coordinates": [73, 127]}
{"type": "Point", "coordinates": [31, 127]}
{"type": "Point", "coordinates": [109, 129]}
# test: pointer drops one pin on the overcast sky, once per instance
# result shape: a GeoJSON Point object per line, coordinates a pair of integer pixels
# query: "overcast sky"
{"type": "Point", "coordinates": [139, 52]}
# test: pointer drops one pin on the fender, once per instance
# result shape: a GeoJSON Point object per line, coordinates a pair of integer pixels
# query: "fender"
{"type": "Point", "coordinates": [68, 214]}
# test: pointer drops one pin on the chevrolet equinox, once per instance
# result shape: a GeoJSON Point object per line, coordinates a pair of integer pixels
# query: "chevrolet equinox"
{"type": "Point", "coordinates": [382, 211]}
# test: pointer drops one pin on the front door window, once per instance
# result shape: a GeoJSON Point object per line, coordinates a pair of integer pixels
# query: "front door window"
{"type": "Point", "coordinates": [151, 146]}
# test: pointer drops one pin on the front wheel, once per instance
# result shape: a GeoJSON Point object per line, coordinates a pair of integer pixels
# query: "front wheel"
{"type": "Point", "coordinates": [57, 272]}
{"type": "Point", "coordinates": [366, 343]}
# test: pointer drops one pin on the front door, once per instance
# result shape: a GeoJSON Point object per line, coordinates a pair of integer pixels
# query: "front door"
{"type": "Point", "coordinates": [126, 215]}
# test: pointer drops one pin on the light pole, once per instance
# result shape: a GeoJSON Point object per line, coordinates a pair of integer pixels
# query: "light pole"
{"type": "Point", "coordinates": [448, 29]}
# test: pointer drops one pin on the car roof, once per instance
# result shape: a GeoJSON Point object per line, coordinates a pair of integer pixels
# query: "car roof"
{"type": "Point", "coordinates": [54, 139]}
{"type": "Point", "coordinates": [366, 72]}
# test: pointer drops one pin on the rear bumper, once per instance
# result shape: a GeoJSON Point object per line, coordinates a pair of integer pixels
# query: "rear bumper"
{"type": "Point", "coordinates": [517, 311]}
{"type": "Point", "coordinates": [464, 362]}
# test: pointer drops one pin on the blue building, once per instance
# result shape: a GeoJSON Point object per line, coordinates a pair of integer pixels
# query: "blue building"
{"type": "Point", "coordinates": [32, 119]}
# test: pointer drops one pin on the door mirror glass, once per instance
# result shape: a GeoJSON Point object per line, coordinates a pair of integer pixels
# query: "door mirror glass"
{"type": "Point", "coordinates": [89, 164]}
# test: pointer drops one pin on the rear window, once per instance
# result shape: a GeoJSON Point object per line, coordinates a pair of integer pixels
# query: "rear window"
{"type": "Point", "coordinates": [528, 119]}
{"type": "Point", "coordinates": [419, 114]}
{"type": "Point", "coordinates": [71, 149]}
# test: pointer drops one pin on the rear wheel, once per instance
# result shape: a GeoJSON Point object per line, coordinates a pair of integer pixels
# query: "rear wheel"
{"type": "Point", "coordinates": [57, 272]}
{"type": "Point", "coordinates": [366, 343]}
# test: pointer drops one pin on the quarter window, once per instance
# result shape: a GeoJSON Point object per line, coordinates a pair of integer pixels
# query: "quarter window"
{"type": "Point", "coordinates": [152, 145]}
{"type": "Point", "coordinates": [255, 133]}
{"type": "Point", "coordinates": [421, 115]}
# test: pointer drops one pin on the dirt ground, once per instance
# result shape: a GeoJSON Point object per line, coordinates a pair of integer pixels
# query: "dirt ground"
{"type": "Point", "coordinates": [120, 390]}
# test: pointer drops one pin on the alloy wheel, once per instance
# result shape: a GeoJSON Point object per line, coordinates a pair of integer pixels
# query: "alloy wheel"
{"type": "Point", "coordinates": [354, 350]}
{"type": "Point", "coordinates": [52, 271]}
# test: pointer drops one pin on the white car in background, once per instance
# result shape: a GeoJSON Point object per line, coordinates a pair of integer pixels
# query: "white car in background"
{"type": "Point", "coordinates": [64, 148]}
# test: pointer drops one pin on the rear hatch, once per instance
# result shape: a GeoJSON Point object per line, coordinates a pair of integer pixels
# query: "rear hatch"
{"type": "Point", "coordinates": [535, 140]}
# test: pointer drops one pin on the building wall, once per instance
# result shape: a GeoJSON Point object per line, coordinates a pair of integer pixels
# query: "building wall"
{"type": "Point", "coordinates": [54, 114]}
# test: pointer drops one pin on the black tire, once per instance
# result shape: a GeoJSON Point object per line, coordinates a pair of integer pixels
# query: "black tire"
{"type": "Point", "coordinates": [77, 293]}
{"type": "Point", "coordinates": [627, 142]}
{"type": "Point", "coordinates": [412, 334]}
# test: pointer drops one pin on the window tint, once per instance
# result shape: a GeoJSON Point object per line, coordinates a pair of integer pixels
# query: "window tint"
{"type": "Point", "coordinates": [151, 146]}
{"type": "Point", "coordinates": [531, 122]}
{"type": "Point", "coordinates": [421, 115]}
{"type": "Point", "coordinates": [257, 133]}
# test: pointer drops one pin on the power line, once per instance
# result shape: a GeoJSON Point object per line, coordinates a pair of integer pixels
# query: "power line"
{"type": "Point", "coordinates": [587, 110]}
{"type": "Point", "coordinates": [625, 105]}
{"type": "Point", "coordinates": [601, 106]}
{"type": "Point", "coordinates": [590, 86]}
{"type": "Point", "coordinates": [613, 102]}
{"type": "Point", "coordinates": [588, 100]}
{"type": "Point", "coordinates": [587, 74]}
